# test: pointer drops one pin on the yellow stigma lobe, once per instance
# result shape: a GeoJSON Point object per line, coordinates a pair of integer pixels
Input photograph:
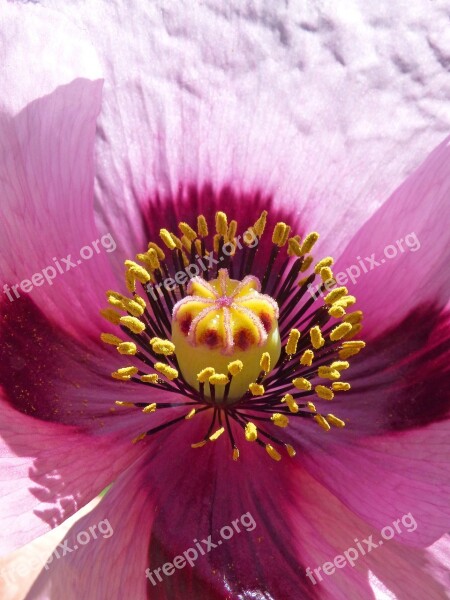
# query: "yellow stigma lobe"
{"type": "Point", "coordinates": [225, 322]}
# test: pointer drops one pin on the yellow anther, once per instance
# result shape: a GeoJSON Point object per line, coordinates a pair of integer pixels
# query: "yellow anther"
{"type": "Point", "coordinates": [125, 373]}
{"type": "Point", "coordinates": [272, 452]}
{"type": "Point", "coordinates": [199, 444]}
{"type": "Point", "coordinates": [235, 367]}
{"type": "Point", "coordinates": [290, 450]}
{"type": "Point", "coordinates": [256, 389]}
{"type": "Point", "coordinates": [322, 422]}
{"type": "Point", "coordinates": [335, 421]}
{"type": "Point", "coordinates": [309, 242]}
{"type": "Point", "coordinates": [216, 242]}
{"type": "Point", "coordinates": [137, 271]}
{"type": "Point", "coordinates": [204, 375]}
{"type": "Point", "coordinates": [133, 324]}
{"type": "Point", "coordinates": [138, 438]}
{"type": "Point", "coordinates": [251, 432]}
{"type": "Point", "coordinates": [280, 420]}
{"type": "Point", "coordinates": [153, 259]}
{"type": "Point", "coordinates": [187, 231]}
{"type": "Point", "coordinates": [111, 315]}
{"type": "Point", "coordinates": [167, 238]}
{"type": "Point", "coordinates": [306, 264]}
{"type": "Point", "coordinates": [279, 233]}
{"type": "Point", "coordinates": [294, 247]}
{"type": "Point", "coordinates": [130, 281]}
{"type": "Point", "coordinates": [140, 301]}
{"type": "Point", "coordinates": [323, 392]}
{"type": "Point", "coordinates": [264, 363]}
{"type": "Point", "coordinates": [325, 262]}
{"type": "Point", "coordinates": [166, 370]}
{"type": "Point", "coordinates": [124, 303]}
{"type": "Point", "coordinates": [291, 403]}
{"type": "Point", "coordinates": [221, 223]}
{"type": "Point", "coordinates": [353, 332]}
{"type": "Point", "coordinates": [125, 404]}
{"type": "Point", "coordinates": [109, 338]}
{"type": "Point", "coordinates": [151, 378]}
{"type": "Point", "coordinates": [302, 281]}
{"type": "Point", "coordinates": [235, 454]}
{"type": "Point", "coordinates": [345, 301]}
{"type": "Point", "coordinates": [216, 434]}
{"type": "Point", "coordinates": [326, 275]}
{"type": "Point", "coordinates": [348, 352]}
{"type": "Point", "coordinates": [260, 224]}
{"type": "Point", "coordinates": [336, 311]}
{"type": "Point", "coordinates": [218, 379]}
{"type": "Point", "coordinates": [291, 345]}
{"type": "Point", "coordinates": [354, 317]}
{"type": "Point", "coordinates": [202, 226]}
{"type": "Point", "coordinates": [340, 331]}
{"type": "Point", "coordinates": [328, 373]}
{"type": "Point", "coordinates": [149, 408]}
{"type": "Point", "coordinates": [340, 386]}
{"type": "Point", "coordinates": [285, 236]}
{"type": "Point", "coordinates": [311, 406]}
{"type": "Point", "coordinates": [317, 339]}
{"type": "Point", "coordinates": [190, 414]}
{"type": "Point", "coordinates": [340, 365]}
{"type": "Point", "coordinates": [335, 295]}
{"type": "Point", "coordinates": [159, 251]}
{"type": "Point", "coordinates": [301, 384]}
{"type": "Point", "coordinates": [307, 358]}
{"type": "Point", "coordinates": [232, 229]}
{"type": "Point", "coordinates": [160, 346]}
{"type": "Point", "coordinates": [128, 348]}
{"type": "Point", "coordinates": [354, 344]}
{"type": "Point", "coordinates": [187, 244]}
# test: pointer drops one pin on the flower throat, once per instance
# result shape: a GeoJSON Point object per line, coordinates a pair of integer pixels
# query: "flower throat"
{"type": "Point", "coordinates": [244, 354]}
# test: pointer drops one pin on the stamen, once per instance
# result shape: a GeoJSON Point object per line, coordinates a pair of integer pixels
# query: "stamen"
{"type": "Point", "coordinates": [225, 345]}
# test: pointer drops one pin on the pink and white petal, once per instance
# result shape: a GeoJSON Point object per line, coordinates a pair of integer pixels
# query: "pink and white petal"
{"type": "Point", "coordinates": [49, 471]}
{"type": "Point", "coordinates": [257, 98]}
{"type": "Point", "coordinates": [326, 529]}
{"type": "Point", "coordinates": [408, 237]}
{"type": "Point", "coordinates": [47, 233]}
{"type": "Point", "coordinates": [382, 477]}
{"type": "Point", "coordinates": [66, 55]}
{"type": "Point", "coordinates": [19, 569]}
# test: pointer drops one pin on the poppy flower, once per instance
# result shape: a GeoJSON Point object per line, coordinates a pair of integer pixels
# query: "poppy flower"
{"type": "Point", "coordinates": [224, 383]}
{"type": "Point", "coordinates": [66, 439]}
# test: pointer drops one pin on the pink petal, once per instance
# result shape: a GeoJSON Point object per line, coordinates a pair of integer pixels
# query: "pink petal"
{"type": "Point", "coordinates": [383, 477]}
{"type": "Point", "coordinates": [410, 240]}
{"type": "Point", "coordinates": [46, 164]}
{"type": "Point", "coordinates": [50, 471]}
{"type": "Point", "coordinates": [290, 100]}
{"type": "Point", "coordinates": [325, 529]}
{"type": "Point", "coordinates": [24, 27]}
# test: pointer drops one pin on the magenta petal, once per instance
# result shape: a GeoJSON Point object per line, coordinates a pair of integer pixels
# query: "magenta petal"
{"type": "Point", "coordinates": [50, 245]}
{"type": "Point", "coordinates": [409, 239]}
